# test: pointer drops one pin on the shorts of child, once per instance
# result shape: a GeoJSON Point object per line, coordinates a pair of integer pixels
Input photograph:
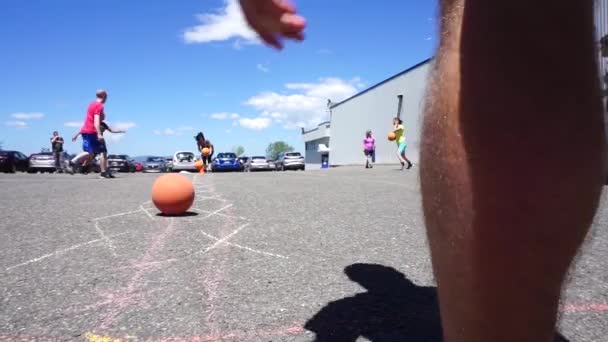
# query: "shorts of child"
{"type": "Point", "coordinates": [402, 147]}
{"type": "Point", "coordinates": [91, 144]}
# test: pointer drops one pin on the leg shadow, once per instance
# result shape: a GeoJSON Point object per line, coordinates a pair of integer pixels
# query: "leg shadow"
{"type": "Point", "coordinates": [392, 309]}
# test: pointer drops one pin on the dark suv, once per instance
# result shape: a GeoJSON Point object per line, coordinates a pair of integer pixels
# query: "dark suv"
{"type": "Point", "coordinates": [121, 163]}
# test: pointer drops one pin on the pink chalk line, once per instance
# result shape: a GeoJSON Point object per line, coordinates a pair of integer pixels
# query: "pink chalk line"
{"type": "Point", "coordinates": [595, 307]}
{"type": "Point", "coordinates": [132, 294]}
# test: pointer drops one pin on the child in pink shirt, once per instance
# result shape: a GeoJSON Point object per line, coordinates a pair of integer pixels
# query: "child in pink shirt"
{"type": "Point", "coordinates": [369, 146]}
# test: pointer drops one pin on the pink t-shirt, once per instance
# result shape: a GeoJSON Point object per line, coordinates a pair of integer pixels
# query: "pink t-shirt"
{"type": "Point", "coordinates": [95, 108]}
{"type": "Point", "coordinates": [369, 143]}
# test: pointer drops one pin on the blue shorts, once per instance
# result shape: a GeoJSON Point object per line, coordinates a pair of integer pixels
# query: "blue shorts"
{"type": "Point", "coordinates": [402, 147]}
{"type": "Point", "coordinates": [91, 144]}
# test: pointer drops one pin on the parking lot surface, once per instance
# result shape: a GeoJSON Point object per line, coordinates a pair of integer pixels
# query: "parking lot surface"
{"type": "Point", "coordinates": [339, 254]}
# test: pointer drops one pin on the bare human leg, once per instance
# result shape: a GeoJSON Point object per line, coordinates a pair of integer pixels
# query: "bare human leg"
{"type": "Point", "coordinates": [505, 216]}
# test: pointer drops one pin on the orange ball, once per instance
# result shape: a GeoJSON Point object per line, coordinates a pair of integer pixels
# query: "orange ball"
{"type": "Point", "coordinates": [173, 194]}
{"type": "Point", "coordinates": [206, 151]}
{"type": "Point", "coordinates": [198, 164]}
{"type": "Point", "coordinates": [392, 136]}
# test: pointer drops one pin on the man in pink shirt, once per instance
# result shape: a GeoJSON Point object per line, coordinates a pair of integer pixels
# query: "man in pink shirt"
{"type": "Point", "coordinates": [92, 135]}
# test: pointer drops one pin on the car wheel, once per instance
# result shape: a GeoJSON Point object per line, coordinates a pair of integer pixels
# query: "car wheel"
{"type": "Point", "coordinates": [13, 168]}
{"type": "Point", "coordinates": [282, 167]}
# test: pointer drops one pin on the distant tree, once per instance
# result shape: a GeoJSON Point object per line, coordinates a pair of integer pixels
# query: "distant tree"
{"type": "Point", "coordinates": [45, 149]}
{"type": "Point", "coordinates": [238, 150]}
{"type": "Point", "coordinates": [274, 149]}
{"type": "Point", "coordinates": [1, 143]}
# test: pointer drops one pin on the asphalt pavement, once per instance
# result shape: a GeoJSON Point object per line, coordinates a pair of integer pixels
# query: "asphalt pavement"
{"type": "Point", "coordinates": [337, 255]}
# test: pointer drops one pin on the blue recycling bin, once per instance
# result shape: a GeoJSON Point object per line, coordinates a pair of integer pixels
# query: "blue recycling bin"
{"type": "Point", "coordinates": [325, 161]}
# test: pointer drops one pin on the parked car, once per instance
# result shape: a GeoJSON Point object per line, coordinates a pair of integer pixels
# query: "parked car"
{"type": "Point", "coordinates": [271, 164]}
{"type": "Point", "coordinates": [139, 167]}
{"type": "Point", "coordinates": [13, 161]}
{"type": "Point", "coordinates": [290, 161]}
{"type": "Point", "coordinates": [45, 162]}
{"type": "Point", "coordinates": [184, 161]}
{"type": "Point", "coordinates": [243, 160]}
{"type": "Point", "coordinates": [169, 164]}
{"type": "Point", "coordinates": [226, 161]}
{"type": "Point", "coordinates": [155, 164]}
{"type": "Point", "coordinates": [121, 163]}
{"type": "Point", "coordinates": [258, 163]}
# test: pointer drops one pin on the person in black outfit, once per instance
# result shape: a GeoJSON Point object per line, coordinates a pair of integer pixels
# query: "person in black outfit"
{"type": "Point", "coordinates": [57, 148]}
{"type": "Point", "coordinates": [201, 143]}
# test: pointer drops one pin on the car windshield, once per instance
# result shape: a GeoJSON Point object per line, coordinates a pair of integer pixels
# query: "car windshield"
{"type": "Point", "coordinates": [154, 159]}
{"type": "Point", "coordinates": [258, 158]}
{"type": "Point", "coordinates": [226, 155]}
{"type": "Point", "coordinates": [293, 154]}
{"type": "Point", "coordinates": [5, 153]}
{"type": "Point", "coordinates": [184, 156]}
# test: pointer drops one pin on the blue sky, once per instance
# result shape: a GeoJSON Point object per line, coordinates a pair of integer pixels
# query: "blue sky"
{"type": "Point", "coordinates": [173, 68]}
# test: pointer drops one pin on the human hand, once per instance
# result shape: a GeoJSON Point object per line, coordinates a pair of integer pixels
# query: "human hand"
{"type": "Point", "coordinates": [273, 20]}
{"type": "Point", "coordinates": [99, 137]}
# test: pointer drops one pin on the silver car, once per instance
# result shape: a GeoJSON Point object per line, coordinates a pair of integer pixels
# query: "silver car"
{"type": "Point", "coordinates": [45, 162]}
{"type": "Point", "coordinates": [154, 164]}
{"type": "Point", "coordinates": [258, 163]}
{"type": "Point", "coordinates": [290, 161]}
{"type": "Point", "coordinates": [184, 161]}
{"type": "Point", "coordinates": [169, 163]}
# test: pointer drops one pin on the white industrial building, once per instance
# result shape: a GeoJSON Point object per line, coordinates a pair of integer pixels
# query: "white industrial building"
{"type": "Point", "coordinates": [372, 109]}
{"type": "Point", "coordinates": [401, 95]}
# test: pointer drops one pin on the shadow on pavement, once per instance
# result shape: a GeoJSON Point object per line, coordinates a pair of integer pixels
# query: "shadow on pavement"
{"type": "Point", "coordinates": [392, 309]}
{"type": "Point", "coordinates": [186, 214]}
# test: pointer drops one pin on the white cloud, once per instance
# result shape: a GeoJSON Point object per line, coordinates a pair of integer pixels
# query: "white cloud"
{"type": "Point", "coordinates": [256, 124]}
{"type": "Point", "coordinates": [262, 68]}
{"type": "Point", "coordinates": [174, 131]}
{"type": "Point", "coordinates": [228, 131]}
{"type": "Point", "coordinates": [125, 126]}
{"type": "Point", "coordinates": [166, 131]}
{"type": "Point", "coordinates": [73, 124]}
{"type": "Point", "coordinates": [219, 116]}
{"type": "Point", "coordinates": [224, 24]}
{"type": "Point", "coordinates": [306, 103]}
{"type": "Point", "coordinates": [18, 124]}
{"type": "Point", "coordinates": [224, 116]}
{"type": "Point", "coordinates": [27, 116]}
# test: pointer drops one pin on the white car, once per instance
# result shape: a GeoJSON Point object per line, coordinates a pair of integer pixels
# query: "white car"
{"type": "Point", "coordinates": [290, 161]}
{"type": "Point", "coordinates": [183, 161]}
{"type": "Point", "coordinates": [258, 163]}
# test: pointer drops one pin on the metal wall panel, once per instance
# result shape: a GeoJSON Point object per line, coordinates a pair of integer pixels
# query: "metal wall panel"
{"type": "Point", "coordinates": [374, 110]}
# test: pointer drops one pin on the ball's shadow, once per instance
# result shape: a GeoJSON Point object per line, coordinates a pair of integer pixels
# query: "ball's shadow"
{"type": "Point", "coordinates": [186, 214]}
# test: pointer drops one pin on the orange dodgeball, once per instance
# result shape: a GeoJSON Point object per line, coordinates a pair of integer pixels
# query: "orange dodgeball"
{"type": "Point", "coordinates": [173, 194]}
